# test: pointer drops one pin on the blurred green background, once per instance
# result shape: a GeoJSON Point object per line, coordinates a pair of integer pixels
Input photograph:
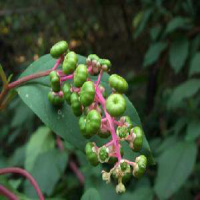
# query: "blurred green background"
{"type": "Point", "coordinates": [155, 45]}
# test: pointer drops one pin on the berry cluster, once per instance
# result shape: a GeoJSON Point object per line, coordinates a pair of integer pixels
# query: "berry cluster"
{"type": "Point", "coordinates": [99, 115]}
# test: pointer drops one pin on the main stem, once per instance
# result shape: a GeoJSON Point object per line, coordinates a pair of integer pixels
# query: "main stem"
{"type": "Point", "coordinates": [5, 192]}
{"type": "Point", "coordinates": [25, 174]}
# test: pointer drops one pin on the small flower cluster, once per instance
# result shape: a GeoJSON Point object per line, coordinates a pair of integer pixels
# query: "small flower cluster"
{"type": "Point", "coordinates": [99, 115]}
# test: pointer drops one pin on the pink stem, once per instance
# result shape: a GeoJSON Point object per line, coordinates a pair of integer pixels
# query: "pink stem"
{"type": "Point", "coordinates": [104, 120]}
{"type": "Point", "coordinates": [67, 77]}
{"type": "Point", "coordinates": [99, 78]}
{"type": "Point", "coordinates": [117, 122]}
{"type": "Point", "coordinates": [57, 64]}
{"type": "Point", "coordinates": [5, 192]}
{"type": "Point", "coordinates": [72, 164]}
{"type": "Point", "coordinates": [111, 124]}
{"type": "Point", "coordinates": [25, 174]}
{"type": "Point", "coordinates": [76, 171]}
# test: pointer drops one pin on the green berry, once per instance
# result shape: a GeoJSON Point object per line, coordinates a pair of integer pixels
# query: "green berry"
{"type": "Point", "coordinates": [93, 57]}
{"type": "Point", "coordinates": [70, 62]}
{"type": "Point", "coordinates": [118, 83]}
{"type": "Point", "coordinates": [90, 124]}
{"type": "Point", "coordinates": [55, 99]}
{"type": "Point", "coordinates": [124, 166]}
{"type": "Point", "coordinates": [80, 75]}
{"type": "Point", "coordinates": [127, 175]}
{"type": "Point", "coordinates": [127, 121]}
{"type": "Point", "coordinates": [87, 93]}
{"type": "Point", "coordinates": [91, 154]}
{"type": "Point", "coordinates": [67, 92]}
{"type": "Point", "coordinates": [76, 104]}
{"type": "Point", "coordinates": [138, 138]}
{"type": "Point", "coordinates": [115, 105]}
{"type": "Point", "coordinates": [105, 64]}
{"type": "Point", "coordinates": [103, 154]}
{"type": "Point", "coordinates": [55, 81]}
{"type": "Point", "coordinates": [140, 168]}
{"type": "Point", "coordinates": [59, 49]}
{"type": "Point", "coordinates": [122, 132]}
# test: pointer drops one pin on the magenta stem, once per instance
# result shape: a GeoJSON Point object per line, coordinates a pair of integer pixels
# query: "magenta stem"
{"type": "Point", "coordinates": [111, 124]}
{"type": "Point", "coordinates": [5, 192]}
{"type": "Point", "coordinates": [25, 174]}
{"type": "Point", "coordinates": [58, 62]}
{"type": "Point", "coordinates": [99, 78]}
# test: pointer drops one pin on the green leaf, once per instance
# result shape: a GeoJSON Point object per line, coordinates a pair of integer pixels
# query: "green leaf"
{"type": "Point", "coordinates": [174, 167]}
{"type": "Point", "coordinates": [193, 131]}
{"type": "Point", "coordinates": [153, 53]}
{"type": "Point", "coordinates": [176, 23]}
{"type": "Point", "coordinates": [41, 141]}
{"type": "Point", "coordinates": [91, 194]}
{"type": "Point", "coordinates": [195, 64]}
{"type": "Point", "coordinates": [62, 120]}
{"type": "Point", "coordinates": [142, 193]}
{"type": "Point", "coordinates": [47, 170]}
{"type": "Point", "coordinates": [178, 53]}
{"type": "Point", "coordinates": [183, 91]}
{"type": "Point", "coordinates": [154, 32]}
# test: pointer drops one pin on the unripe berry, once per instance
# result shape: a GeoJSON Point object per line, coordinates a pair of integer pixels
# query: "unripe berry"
{"type": "Point", "coordinates": [55, 99]}
{"type": "Point", "coordinates": [59, 49]}
{"type": "Point", "coordinates": [70, 62]}
{"type": "Point", "coordinates": [103, 154]}
{"type": "Point", "coordinates": [67, 92]}
{"type": "Point", "coordinates": [55, 81]}
{"type": "Point", "coordinates": [105, 64]}
{"type": "Point", "coordinates": [137, 135]}
{"type": "Point", "coordinates": [76, 104]}
{"type": "Point", "coordinates": [115, 105]}
{"type": "Point", "coordinates": [87, 93]}
{"type": "Point", "coordinates": [80, 75]}
{"type": "Point", "coordinates": [140, 168]}
{"type": "Point", "coordinates": [91, 124]}
{"type": "Point", "coordinates": [91, 154]}
{"type": "Point", "coordinates": [122, 132]}
{"type": "Point", "coordinates": [118, 83]}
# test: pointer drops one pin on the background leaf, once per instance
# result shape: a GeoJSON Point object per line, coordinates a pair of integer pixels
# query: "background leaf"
{"type": "Point", "coordinates": [174, 167]}
{"type": "Point", "coordinates": [47, 170]}
{"type": "Point", "coordinates": [178, 53]}
{"type": "Point", "coordinates": [153, 53]}
{"type": "Point", "coordinates": [193, 131]}
{"type": "Point", "coordinates": [195, 64]}
{"type": "Point", "coordinates": [91, 194]}
{"type": "Point", "coordinates": [183, 91]}
{"type": "Point", "coordinates": [41, 141]}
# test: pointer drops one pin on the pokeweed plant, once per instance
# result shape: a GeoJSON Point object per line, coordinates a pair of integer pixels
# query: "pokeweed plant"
{"type": "Point", "coordinates": [74, 86]}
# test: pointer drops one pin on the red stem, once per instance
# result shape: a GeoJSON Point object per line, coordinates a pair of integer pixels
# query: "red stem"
{"type": "Point", "coordinates": [5, 192]}
{"type": "Point", "coordinates": [25, 174]}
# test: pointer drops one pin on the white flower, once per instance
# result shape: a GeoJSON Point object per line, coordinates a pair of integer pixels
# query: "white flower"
{"type": "Point", "coordinates": [106, 176]}
{"type": "Point", "coordinates": [120, 188]}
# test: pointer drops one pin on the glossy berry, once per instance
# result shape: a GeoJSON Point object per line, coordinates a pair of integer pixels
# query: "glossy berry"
{"type": "Point", "coordinates": [87, 93]}
{"type": "Point", "coordinates": [116, 105]}
{"type": "Point", "coordinates": [55, 99]}
{"type": "Point", "coordinates": [91, 154]}
{"type": "Point", "coordinates": [92, 57]}
{"type": "Point", "coordinates": [138, 138]}
{"type": "Point", "coordinates": [76, 104]}
{"type": "Point", "coordinates": [55, 81]}
{"type": "Point", "coordinates": [103, 154]}
{"type": "Point", "coordinates": [70, 62]}
{"type": "Point", "coordinates": [140, 168]}
{"type": "Point", "coordinates": [59, 49]}
{"type": "Point", "coordinates": [90, 124]}
{"type": "Point", "coordinates": [80, 75]}
{"type": "Point", "coordinates": [118, 83]}
{"type": "Point", "coordinates": [67, 92]}
{"type": "Point", "coordinates": [105, 64]}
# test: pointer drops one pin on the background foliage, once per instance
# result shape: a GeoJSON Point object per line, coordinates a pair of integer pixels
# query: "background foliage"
{"type": "Point", "coordinates": [155, 45]}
